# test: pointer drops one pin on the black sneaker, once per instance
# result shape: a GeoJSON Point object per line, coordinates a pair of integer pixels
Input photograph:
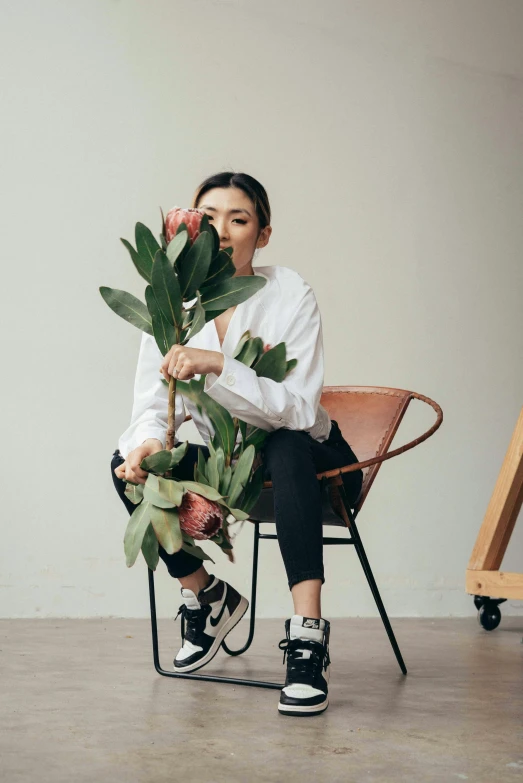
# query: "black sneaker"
{"type": "Point", "coordinates": [206, 620]}
{"type": "Point", "coordinates": [307, 650]}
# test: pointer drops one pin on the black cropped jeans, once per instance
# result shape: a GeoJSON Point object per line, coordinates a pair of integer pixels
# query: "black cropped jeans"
{"type": "Point", "coordinates": [292, 458]}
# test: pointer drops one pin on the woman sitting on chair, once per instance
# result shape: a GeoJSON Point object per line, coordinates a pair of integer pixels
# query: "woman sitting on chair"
{"type": "Point", "coordinates": [303, 441]}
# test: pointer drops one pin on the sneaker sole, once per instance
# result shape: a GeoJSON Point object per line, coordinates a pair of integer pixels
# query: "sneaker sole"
{"type": "Point", "coordinates": [226, 628]}
{"type": "Point", "coordinates": [296, 709]}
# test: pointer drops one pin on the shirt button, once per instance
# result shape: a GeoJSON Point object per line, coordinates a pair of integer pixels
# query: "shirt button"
{"type": "Point", "coordinates": [230, 380]}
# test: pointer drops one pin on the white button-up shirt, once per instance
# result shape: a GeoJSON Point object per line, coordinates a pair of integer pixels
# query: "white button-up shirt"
{"type": "Point", "coordinates": [284, 310]}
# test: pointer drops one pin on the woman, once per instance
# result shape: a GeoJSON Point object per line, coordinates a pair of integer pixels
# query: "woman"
{"type": "Point", "coordinates": [302, 441]}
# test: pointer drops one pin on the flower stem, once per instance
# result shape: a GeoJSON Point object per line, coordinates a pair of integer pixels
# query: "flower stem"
{"type": "Point", "coordinates": [169, 439]}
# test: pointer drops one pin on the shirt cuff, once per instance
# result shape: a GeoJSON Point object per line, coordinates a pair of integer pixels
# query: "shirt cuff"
{"type": "Point", "coordinates": [127, 443]}
{"type": "Point", "coordinates": [237, 389]}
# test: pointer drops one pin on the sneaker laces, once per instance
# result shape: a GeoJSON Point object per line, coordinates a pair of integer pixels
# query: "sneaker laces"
{"type": "Point", "coordinates": [302, 668]}
{"type": "Point", "coordinates": [193, 621]}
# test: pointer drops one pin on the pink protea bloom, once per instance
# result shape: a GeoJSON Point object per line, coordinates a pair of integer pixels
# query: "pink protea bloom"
{"type": "Point", "coordinates": [266, 348]}
{"type": "Point", "coordinates": [191, 217]}
{"type": "Point", "coordinates": [199, 517]}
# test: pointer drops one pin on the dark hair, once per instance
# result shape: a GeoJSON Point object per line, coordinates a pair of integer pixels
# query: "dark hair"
{"type": "Point", "coordinates": [250, 186]}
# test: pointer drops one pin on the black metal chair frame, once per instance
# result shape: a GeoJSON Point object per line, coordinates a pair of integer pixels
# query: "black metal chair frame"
{"type": "Point", "coordinates": [353, 540]}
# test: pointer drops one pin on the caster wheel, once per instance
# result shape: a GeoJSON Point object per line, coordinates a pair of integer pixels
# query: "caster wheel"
{"type": "Point", "coordinates": [489, 616]}
{"type": "Point", "coordinates": [479, 600]}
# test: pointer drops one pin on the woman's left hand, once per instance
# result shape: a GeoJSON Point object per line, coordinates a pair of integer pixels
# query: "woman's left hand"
{"type": "Point", "coordinates": [184, 363]}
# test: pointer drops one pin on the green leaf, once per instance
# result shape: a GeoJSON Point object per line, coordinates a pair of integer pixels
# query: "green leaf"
{"type": "Point", "coordinates": [164, 332]}
{"type": "Point", "coordinates": [194, 266]}
{"type": "Point", "coordinates": [201, 489]}
{"type": "Point", "coordinates": [150, 548]}
{"type": "Point", "coordinates": [231, 292]}
{"type": "Point", "coordinates": [212, 468]}
{"type": "Point", "coordinates": [127, 307]}
{"type": "Point", "coordinates": [226, 480]}
{"type": "Point", "coordinates": [273, 363]}
{"type": "Point", "coordinates": [134, 492]}
{"type": "Point", "coordinates": [220, 416]}
{"type": "Point", "coordinates": [246, 336]}
{"type": "Point", "coordinates": [221, 539]}
{"type": "Point", "coordinates": [256, 438]}
{"type": "Point", "coordinates": [221, 268]}
{"type": "Point", "coordinates": [146, 246]}
{"type": "Point", "coordinates": [155, 499]}
{"type": "Point", "coordinates": [253, 489]}
{"type": "Point", "coordinates": [206, 225]}
{"type": "Point", "coordinates": [201, 464]}
{"type": "Point", "coordinates": [253, 349]}
{"type": "Point", "coordinates": [178, 452]}
{"type": "Point", "coordinates": [199, 478]}
{"type": "Point", "coordinates": [170, 490]}
{"type": "Point", "coordinates": [197, 322]}
{"type": "Point", "coordinates": [157, 463]}
{"type": "Point", "coordinates": [243, 430]}
{"type": "Point", "coordinates": [291, 364]}
{"type": "Point", "coordinates": [196, 551]}
{"type": "Point", "coordinates": [142, 265]}
{"type": "Point", "coordinates": [135, 531]}
{"type": "Point", "coordinates": [210, 315]}
{"type": "Point", "coordinates": [238, 513]}
{"type": "Point", "coordinates": [176, 247]}
{"type": "Point", "coordinates": [163, 492]}
{"type": "Point", "coordinates": [167, 528]}
{"type": "Point", "coordinates": [220, 460]}
{"type": "Point", "coordinates": [241, 474]}
{"type": "Point", "coordinates": [163, 240]}
{"type": "Point", "coordinates": [167, 290]}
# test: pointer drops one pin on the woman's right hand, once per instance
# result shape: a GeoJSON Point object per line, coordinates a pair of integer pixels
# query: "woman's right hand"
{"type": "Point", "coordinates": [130, 469]}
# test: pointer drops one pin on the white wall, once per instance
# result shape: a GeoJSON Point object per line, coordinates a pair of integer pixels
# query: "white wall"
{"type": "Point", "coordinates": [390, 139]}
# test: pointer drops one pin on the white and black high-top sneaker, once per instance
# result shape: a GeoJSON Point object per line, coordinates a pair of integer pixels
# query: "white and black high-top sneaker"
{"type": "Point", "coordinates": [307, 650]}
{"type": "Point", "coordinates": [207, 618]}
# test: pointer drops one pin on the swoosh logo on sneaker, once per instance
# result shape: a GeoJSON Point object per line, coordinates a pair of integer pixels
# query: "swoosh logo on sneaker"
{"type": "Point", "coordinates": [216, 620]}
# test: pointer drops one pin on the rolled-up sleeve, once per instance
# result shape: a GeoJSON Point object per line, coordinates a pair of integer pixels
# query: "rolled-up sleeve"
{"type": "Point", "coordinates": [150, 402]}
{"type": "Point", "coordinates": [268, 404]}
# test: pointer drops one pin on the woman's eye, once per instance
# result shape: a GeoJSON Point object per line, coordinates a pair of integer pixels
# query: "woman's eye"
{"type": "Point", "coordinates": [243, 222]}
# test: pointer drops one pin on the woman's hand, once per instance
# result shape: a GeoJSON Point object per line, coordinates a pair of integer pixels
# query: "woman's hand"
{"type": "Point", "coordinates": [130, 470]}
{"type": "Point", "coordinates": [184, 363]}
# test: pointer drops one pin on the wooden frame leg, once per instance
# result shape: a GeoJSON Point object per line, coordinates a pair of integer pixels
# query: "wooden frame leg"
{"type": "Point", "coordinates": [483, 576]}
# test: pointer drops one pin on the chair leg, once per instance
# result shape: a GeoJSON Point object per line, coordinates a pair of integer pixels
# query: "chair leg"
{"type": "Point", "coordinates": [358, 545]}
{"type": "Point", "coordinates": [154, 625]}
{"type": "Point", "coordinates": [189, 676]}
{"type": "Point", "coordinates": [253, 596]}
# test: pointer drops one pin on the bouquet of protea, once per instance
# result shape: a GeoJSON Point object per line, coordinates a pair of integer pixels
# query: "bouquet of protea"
{"type": "Point", "coordinates": [191, 281]}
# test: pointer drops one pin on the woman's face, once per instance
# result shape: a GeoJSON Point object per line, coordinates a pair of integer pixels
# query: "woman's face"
{"type": "Point", "coordinates": [232, 214]}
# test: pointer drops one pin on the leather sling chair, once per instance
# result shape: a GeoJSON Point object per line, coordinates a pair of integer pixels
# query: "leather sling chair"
{"type": "Point", "coordinates": [368, 417]}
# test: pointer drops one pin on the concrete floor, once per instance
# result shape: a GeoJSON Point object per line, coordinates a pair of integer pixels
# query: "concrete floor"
{"type": "Point", "coordinates": [81, 702]}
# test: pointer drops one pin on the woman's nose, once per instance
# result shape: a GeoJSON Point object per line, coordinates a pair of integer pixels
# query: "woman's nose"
{"type": "Point", "coordinates": [221, 228]}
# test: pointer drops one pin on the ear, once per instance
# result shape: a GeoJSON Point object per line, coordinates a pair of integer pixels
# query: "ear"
{"type": "Point", "coordinates": [263, 239]}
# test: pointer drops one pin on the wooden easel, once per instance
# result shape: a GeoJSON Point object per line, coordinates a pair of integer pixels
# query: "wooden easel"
{"type": "Point", "coordinates": [483, 577]}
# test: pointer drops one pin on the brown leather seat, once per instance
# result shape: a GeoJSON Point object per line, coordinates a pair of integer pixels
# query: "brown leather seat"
{"type": "Point", "coordinates": [368, 417]}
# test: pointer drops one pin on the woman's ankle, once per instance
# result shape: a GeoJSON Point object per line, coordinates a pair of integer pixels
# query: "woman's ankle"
{"type": "Point", "coordinates": [196, 581]}
{"type": "Point", "coordinates": [306, 596]}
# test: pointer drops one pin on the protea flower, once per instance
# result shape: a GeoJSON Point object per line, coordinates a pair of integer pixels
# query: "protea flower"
{"type": "Point", "coordinates": [199, 517]}
{"type": "Point", "coordinates": [191, 217]}
{"type": "Point", "coordinates": [266, 348]}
